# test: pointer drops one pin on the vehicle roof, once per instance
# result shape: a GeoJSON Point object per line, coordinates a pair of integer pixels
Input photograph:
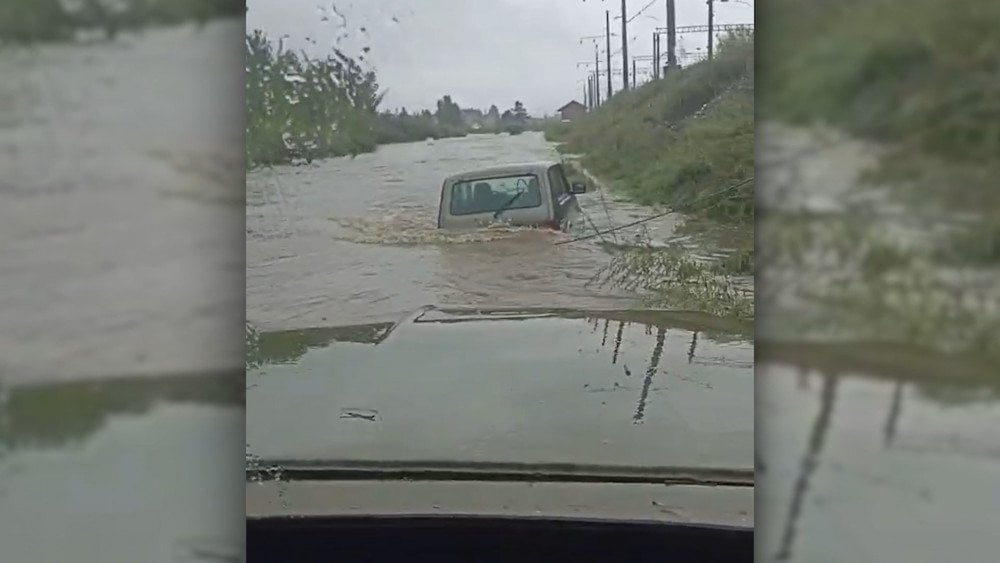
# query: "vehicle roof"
{"type": "Point", "coordinates": [537, 167]}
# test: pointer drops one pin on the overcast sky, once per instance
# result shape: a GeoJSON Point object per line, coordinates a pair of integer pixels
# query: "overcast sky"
{"type": "Point", "coordinates": [481, 52]}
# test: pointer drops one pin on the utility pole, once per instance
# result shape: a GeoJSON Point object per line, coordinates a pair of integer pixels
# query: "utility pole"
{"type": "Point", "coordinates": [656, 56]}
{"type": "Point", "coordinates": [624, 47]}
{"type": "Point", "coordinates": [671, 36]}
{"type": "Point", "coordinates": [711, 15]}
{"type": "Point", "coordinates": [607, 46]}
{"type": "Point", "coordinates": [597, 74]}
{"type": "Point", "coordinates": [585, 102]}
{"type": "Point", "coordinates": [633, 74]}
{"type": "Point", "coordinates": [588, 97]}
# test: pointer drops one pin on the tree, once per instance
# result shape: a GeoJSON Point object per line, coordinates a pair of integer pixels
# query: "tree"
{"type": "Point", "coordinates": [515, 116]}
{"type": "Point", "coordinates": [493, 115]}
{"type": "Point", "coordinates": [448, 112]}
{"type": "Point", "coordinates": [520, 113]}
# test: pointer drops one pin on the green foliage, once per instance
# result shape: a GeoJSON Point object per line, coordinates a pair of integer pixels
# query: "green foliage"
{"type": "Point", "coordinates": [402, 127]}
{"type": "Point", "coordinates": [676, 281]}
{"type": "Point", "coordinates": [448, 113]}
{"type": "Point", "coordinates": [305, 108]}
{"type": "Point", "coordinates": [300, 107]}
{"type": "Point", "coordinates": [927, 81]}
{"type": "Point", "coordinates": [673, 141]}
{"type": "Point", "coordinates": [557, 131]}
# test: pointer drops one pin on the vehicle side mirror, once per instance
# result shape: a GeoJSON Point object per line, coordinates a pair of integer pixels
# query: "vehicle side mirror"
{"type": "Point", "coordinates": [578, 188]}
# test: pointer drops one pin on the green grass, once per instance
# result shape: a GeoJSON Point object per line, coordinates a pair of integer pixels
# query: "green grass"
{"type": "Point", "coordinates": [922, 75]}
{"type": "Point", "coordinates": [676, 140]}
{"type": "Point", "coordinates": [673, 280]}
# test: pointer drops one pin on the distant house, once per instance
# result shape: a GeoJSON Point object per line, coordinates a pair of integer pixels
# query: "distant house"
{"type": "Point", "coordinates": [572, 110]}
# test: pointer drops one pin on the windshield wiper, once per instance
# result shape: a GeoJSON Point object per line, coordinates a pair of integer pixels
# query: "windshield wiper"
{"type": "Point", "coordinates": [355, 470]}
{"type": "Point", "coordinates": [507, 205]}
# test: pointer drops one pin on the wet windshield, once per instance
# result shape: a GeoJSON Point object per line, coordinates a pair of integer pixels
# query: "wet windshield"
{"type": "Point", "coordinates": [495, 194]}
{"type": "Point", "coordinates": [616, 349]}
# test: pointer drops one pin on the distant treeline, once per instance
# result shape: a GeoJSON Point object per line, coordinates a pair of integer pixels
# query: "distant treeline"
{"type": "Point", "coordinates": [301, 107]}
{"type": "Point", "coordinates": [28, 21]}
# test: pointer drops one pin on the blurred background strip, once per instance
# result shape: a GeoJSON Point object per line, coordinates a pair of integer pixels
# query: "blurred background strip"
{"type": "Point", "coordinates": [878, 396]}
{"type": "Point", "coordinates": [121, 274]}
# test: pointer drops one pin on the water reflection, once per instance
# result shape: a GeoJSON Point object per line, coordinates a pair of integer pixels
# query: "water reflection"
{"type": "Point", "coordinates": [60, 414]}
{"type": "Point", "coordinates": [857, 458]}
{"type": "Point", "coordinates": [128, 469]}
{"type": "Point", "coordinates": [654, 364]}
{"type": "Point", "coordinates": [288, 346]}
{"type": "Point", "coordinates": [809, 462]}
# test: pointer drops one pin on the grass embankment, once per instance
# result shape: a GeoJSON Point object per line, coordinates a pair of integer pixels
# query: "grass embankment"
{"type": "Point", "coordinates": [922, 79]}
{"type": "Point", "coordinates": [674, 141]}
{"type": "Point", "coordinates": [930, 94]}
{"type": "Point", "coordinates": [923, 75]}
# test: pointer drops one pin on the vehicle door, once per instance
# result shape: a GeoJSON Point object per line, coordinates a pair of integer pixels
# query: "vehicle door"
{"type": "Point", "coordinates": [563, 202]}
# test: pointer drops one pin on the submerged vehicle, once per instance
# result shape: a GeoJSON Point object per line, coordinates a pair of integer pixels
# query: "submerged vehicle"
{"type": "Point", "coordinates": [503, 435]}
{"type": "Point", "coordinates": [534, 194]}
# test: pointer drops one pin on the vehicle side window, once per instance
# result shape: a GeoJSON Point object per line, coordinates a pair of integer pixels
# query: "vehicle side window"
{"type": "Point", "coordinates": [562, 175]}
{"type": "Point", "coordinates": [557, 181]}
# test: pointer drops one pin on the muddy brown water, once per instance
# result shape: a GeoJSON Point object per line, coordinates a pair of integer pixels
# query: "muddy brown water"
{"type": "Point", "coordinates": [353, 240]}
{"type": "Point", "coordinates": [121, 217]}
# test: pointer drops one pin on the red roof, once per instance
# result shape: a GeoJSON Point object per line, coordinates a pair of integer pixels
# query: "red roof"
{"type": "Point", "coordinates": [571, 103]}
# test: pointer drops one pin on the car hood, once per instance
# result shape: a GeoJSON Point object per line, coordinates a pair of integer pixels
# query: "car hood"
{"type": "Point", "coordinates": [619, 396]}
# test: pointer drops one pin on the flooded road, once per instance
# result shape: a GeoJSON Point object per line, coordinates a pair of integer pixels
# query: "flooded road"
{"type": "Point", "coordinates": [122, 168]}
{"type": "Point", "coordinates": [353, 240]}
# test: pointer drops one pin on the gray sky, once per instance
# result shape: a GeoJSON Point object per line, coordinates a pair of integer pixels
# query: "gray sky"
{"type": "Point", "coordinates": [481, 52]}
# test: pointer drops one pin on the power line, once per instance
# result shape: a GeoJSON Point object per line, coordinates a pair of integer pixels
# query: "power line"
{"type": "Point", "coordinates": [641, 10]}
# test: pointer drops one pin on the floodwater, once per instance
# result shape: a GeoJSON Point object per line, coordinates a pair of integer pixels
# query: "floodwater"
{"type": "Point", "coordinates": [121, 243]}
{"type": "Point", "coordinates": [353, 240]}
{"type": "Point", "coordinates": [119, 172]}
{"type": "Point", "coordinates": [877, 393]}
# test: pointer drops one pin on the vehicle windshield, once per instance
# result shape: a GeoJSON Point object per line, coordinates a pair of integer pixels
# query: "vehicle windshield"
{"type": "Point", "coordinates": [490, 195]}
{"type": "Point", "coordinates": [392, 216]}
